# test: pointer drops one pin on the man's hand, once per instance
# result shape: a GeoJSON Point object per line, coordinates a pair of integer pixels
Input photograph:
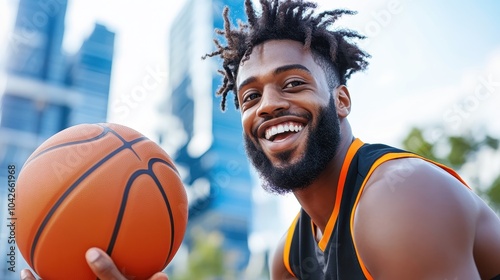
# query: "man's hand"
{"type": "Point", "coordinates": [102, 266]}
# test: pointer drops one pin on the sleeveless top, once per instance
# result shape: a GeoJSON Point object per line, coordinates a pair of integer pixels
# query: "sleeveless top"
{"type": "Point", "coordinates": [335, 256]}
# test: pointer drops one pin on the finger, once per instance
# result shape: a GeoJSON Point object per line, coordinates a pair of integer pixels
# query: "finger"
{"type": "Point", "coordinates": [27, 275]}
{"type": "Point", "coordinates": [102, 265]}
{"type": "Point", "coordinates": [159, 276]}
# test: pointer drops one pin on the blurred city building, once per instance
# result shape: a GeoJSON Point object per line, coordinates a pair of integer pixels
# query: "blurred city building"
{"type": "Point", "coordinates": [207, 146]}
{"type": "Point", "coordinates": [212, 159]}
{"type": "Point", "coordinates": [47, 90]}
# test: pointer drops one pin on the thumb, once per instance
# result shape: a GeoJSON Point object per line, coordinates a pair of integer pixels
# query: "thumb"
{"type": "Point", "coordinates": [159, 276]}
{"type": "Point", "coordinates": [102, 265]}
{"type": "Point", "coordinates": [27, 275]}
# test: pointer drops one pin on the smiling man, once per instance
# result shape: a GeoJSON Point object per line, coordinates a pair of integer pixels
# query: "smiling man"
{"type": "Point", "coordinates": [290, 148]}
{"type": "Point", "coordinates": [368, 211]}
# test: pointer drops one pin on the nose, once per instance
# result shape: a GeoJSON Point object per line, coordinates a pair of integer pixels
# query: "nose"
{"type": "Point", "coordinates": [271, 102]}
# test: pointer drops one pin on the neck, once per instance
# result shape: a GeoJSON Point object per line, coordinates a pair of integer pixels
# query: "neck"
{"type": "Point", "coordinates": [318, 199]}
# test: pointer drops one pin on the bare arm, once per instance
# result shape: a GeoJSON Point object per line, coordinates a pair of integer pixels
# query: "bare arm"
{"type": "Point", "coordinates": [487, 243]}
{"type": "Point", "coordinates": [417, 223]}
{"type": "Point", "coordinates": [278, 269]}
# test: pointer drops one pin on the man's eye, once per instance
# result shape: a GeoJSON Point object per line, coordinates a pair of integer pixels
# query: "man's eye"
{"type": "Point", "coordinates": [294, 84]}
{"type": "Point", "coordinates": [250, 97]}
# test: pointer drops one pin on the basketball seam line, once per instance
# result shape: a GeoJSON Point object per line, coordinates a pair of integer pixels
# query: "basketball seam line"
{"type": "Point", "coordinates": [71, 188]}
{"type": "Point", "coordinates": [133, 177]}
{"type": "Point", "coordinates": [101, 135]}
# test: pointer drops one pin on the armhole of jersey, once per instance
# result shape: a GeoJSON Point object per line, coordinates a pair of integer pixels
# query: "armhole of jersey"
{"type": "Point", "coordinates": [378, 162]}
{"type": "Point", "coordinates": [288, 245]}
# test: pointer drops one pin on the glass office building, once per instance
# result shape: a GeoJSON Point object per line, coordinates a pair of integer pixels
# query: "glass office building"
{"type": "Point", "coordinates": [47, 91]}
{"type": "Point", "coordinates": [210, 154]}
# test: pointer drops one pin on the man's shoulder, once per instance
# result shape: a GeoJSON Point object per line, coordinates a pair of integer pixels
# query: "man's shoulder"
{"type": "Point", "coordinates": [278, 268]}
{"type": "Point", "coordinates": [409, 178]}
{"type": "Point", "coordinates": [415, 215]}
{"type": "Point", "coordinates": [410, 207]}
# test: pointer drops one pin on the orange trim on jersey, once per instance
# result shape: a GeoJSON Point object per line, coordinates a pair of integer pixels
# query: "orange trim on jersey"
{"type": "Point", "coordinates": [288, 245]}
{"type": "Point", "coordinates": [377, 163]}
{"type": "Point", "coordinates": [356, 144]}
{"type": "Point", "coordinates": [449, 170]}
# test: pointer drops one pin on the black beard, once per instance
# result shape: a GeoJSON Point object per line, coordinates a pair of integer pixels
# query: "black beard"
{"type": "Point", "coordinates": [322, 145]}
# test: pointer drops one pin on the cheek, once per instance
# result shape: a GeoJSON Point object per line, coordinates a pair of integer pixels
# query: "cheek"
{"type": "Point", "coordinates": [246, 123]}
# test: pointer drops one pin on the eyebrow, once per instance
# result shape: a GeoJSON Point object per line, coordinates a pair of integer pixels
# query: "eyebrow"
{"type": "Point", "coordinates": [285, 68]}
{"type": "Point", "coordinates": [277, 71]}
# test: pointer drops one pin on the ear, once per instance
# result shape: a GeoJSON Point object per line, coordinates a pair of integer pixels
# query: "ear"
{"type": "Point", "coordinates": [342, 101]}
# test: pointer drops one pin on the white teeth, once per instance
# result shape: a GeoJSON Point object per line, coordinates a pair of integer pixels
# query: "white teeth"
{"type": "Point", "coordinates": [270, 132]}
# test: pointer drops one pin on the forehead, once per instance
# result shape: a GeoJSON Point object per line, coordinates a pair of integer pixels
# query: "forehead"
{"type": "Point", "coordinates": [270, 55]}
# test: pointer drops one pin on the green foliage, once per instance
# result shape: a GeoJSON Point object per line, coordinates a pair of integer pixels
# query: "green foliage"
{"type": "Point", "coordinates": [493, 193]}
{"type": "Point", "coordinates": [492, 142]}
{"type": "Point", "coordinates": [415, 142]}
{"type": "Point", "coordinates": [206, 258]}
{"type": "Point", "coordinates": [461, 150]}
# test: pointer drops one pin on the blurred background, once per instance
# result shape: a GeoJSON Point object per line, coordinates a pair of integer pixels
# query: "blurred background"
{"type": "Point", "coordinates": [433, 87]}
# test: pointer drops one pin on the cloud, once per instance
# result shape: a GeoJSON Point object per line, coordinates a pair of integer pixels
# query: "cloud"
{"type": "Point", "coordinates": [471, 103]}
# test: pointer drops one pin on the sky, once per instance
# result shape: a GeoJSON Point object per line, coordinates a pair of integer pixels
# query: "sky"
{"type": "Point", "coordinates": [433, 63]}
{"type": "Point", "coordinates": [428, 58]}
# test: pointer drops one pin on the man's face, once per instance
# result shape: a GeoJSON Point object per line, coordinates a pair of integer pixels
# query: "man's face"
{"type": "Point", "coordinates": [290, 125]}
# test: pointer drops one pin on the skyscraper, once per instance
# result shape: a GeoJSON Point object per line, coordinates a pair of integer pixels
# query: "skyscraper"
{"type": "Point", "coordinates": [46, 91]}
{"type": "Point", "coordinates": [212, 159]}
{"type": "Point", "coordinates": [89, 73]}
{"type": "Point", "coordinates": [36, 43]}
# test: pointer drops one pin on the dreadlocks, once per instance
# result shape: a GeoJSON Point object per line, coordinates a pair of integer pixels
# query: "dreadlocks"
{"type": "Point", "coordinates": [294, 20]}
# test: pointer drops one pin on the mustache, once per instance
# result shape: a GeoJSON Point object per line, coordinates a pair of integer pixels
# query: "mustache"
{"type": "Point", "coordinates": [282, 113]}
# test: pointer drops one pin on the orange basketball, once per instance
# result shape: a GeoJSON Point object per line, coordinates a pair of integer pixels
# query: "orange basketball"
{"type": "Point", "coordinates": [99, 185]}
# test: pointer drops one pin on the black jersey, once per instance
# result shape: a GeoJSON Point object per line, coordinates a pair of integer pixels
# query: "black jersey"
{"type": "Point", "coordinates": [335, 256]}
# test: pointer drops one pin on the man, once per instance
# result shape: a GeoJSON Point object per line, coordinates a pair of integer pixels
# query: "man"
{"type": "Point", "coordinates": [367, 211]}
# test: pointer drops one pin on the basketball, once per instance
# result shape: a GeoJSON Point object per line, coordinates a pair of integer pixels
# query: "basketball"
{"type": "Point", "coordinates": [99, 185]}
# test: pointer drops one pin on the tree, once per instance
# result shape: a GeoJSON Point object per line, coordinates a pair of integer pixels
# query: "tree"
{"type": "Point", "coordinates": [206, 258]}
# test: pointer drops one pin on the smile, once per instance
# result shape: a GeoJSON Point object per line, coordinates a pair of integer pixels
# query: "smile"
{"type": "Point", "coordinates": [273, 131]}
